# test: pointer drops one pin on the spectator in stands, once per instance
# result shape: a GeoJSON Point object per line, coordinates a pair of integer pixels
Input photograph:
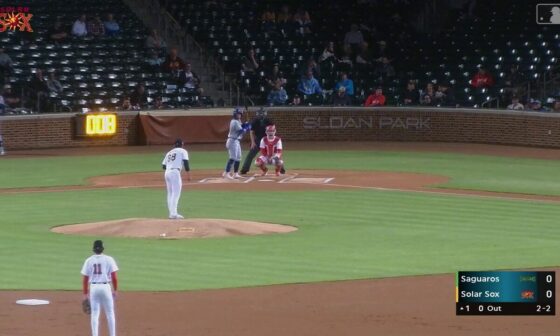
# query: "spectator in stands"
{"type": "Point", "coordinates": [173, 63]}
{"type": "Point", "coordinates": [11, 99]}
{"type": "Point", "coordinates": [311, 65]}
{"type": "Point", "coordinates": [277, 96]}
{"type": "Point", "coordinates": [284, 19]}
{"type": "Point", "coordinates": [191, 80]}
{"type": "Point", "coordinates": [276, 76]}
{"type": "Point", "coordinates": [536, 106]}
{"type": "Point", "coordinates": [515, 104]}
{"type": "Point", "coordinates": [6, 65]}
{"type": "Point", "coordinates": [375, 98]}
{"type": "Point", "coordinates": [158, 103]}
{"type": "Point", "coordinates": [138, 99]}
{"type": "Point", "coordinates": [53, 84]}
{"type": "Point", "coordinates": [57, 33]}
{"type": "Point", "coordinates": [340, 98]}
{"type": "Point", "coordinates": [249, 63]}
{"type": "Point", "coordinates": [345, 82]}
{"type": "Point", "coordinates": [354, 39]}
{"type": "Point", "coordinates": [268, 19]}
{"type": "Point", "coordinates": [328, 54]}
{"type": "Point", "coordinates": [384, 69]}
{"type": "Point", "coordinates": [79, 28]}
{"type": "Point", "coordinates": [308, 85]}
{"type": "Point", "coordinates": [154, 41]}
{"type": "Point", "coordinates": [126, 106]}
{"type": "Point", "coordinates": [39, 90]}
{"type": "Point", "coordinates": [111, 26]}
{"type": "Point", "coordinates": [296, 101]}
{"type": "Point", "coordinates": [427, 97]}
{"type": "Point", "coordinates": [444, 96]}
{"type": "Point", "coordinates": [556, 106]}
{"type": "Point", "coordinates": [302, 21]}
{"type": "Point", "coordinates": [95, 27]}
{"type": "Point", "coordinates": [482, 79]}
{"type": "Point", "coordinates": [154, 61]}
{"type": "Point", "coordinates": [411, 96]}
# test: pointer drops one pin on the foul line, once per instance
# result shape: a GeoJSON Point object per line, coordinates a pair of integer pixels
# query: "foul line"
{"type": "Point", "coordinates": [435, 192]}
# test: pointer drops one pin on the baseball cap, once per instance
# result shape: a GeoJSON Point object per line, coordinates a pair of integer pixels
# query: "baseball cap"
{"type": "Point", "coordinates": [178, 142]}
{"type": "Point", "coordinates": [98, 246]}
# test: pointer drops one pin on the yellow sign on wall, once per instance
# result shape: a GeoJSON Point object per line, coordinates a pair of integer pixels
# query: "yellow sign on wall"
{"type": "Point", "coordinates": [101, 124]}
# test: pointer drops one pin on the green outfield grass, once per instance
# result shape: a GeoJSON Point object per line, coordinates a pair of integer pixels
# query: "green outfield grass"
{"type": "Point", "coordinates": [476, 172]}
{"type": "Point", "coordinates": [343, 234]}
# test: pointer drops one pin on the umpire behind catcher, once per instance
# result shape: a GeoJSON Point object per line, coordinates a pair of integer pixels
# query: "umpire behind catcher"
{"type": "Point", "coordinates": [258, 131]}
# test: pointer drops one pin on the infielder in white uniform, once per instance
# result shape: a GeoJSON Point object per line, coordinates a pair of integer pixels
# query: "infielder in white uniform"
{"type": "Point", "coordinates": [99, 272]}
{"type": "Point", "coordinates": [173, 163]}
{"type": "Point", "coordinates": [233, 145]}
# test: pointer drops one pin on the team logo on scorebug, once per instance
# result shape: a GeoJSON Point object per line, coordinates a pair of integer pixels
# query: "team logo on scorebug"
{"type": "Point", "coordinates": [15, 19]}
{"type": "Point", "coordinates": [528, 295]}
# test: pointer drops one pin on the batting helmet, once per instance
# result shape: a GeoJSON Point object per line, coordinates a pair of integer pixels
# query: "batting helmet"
{"type": "Point", "coordinates": [178, 143]}
{"type": "Point", "coordinates": [236, 111]}
{"type": "Point", "coordinates": [98, 246]}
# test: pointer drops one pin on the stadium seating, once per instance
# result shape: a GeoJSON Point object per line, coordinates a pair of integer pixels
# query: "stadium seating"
{"type": "Point", "coordinates": [501, 33]}
{"type": "Point", "coordinates": [96, 72]}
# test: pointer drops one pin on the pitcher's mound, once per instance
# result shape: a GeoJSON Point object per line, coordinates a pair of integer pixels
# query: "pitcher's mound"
{"type": "Point", "coordinates": [173, 228]}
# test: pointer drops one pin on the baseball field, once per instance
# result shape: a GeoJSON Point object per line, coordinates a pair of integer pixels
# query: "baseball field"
{"type": "Point", "coordinates": [379, 231]}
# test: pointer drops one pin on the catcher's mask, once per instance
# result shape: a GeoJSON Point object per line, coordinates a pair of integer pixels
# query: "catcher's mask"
{"type": "Point", "coordinates": [270, 131]}
{"type": "Point", "coordinates": [98, 246]}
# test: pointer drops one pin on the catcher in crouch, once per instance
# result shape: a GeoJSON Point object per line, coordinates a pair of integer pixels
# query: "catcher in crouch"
{"type": "Point", "coordinates": [271, 151]}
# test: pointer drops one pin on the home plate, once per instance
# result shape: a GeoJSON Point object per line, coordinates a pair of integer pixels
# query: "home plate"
{"type": "Point", "coordinates": [32, 302]}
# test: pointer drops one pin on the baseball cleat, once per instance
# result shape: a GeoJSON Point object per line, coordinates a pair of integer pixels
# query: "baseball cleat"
{"type": "Point", "coordinates": [227, 176]}
{"type": "Point", "coordinates": [179, 217]}
{"type": "Point", "coordinates": [236, 176]}
{"type": "Point", "coordinates": [264, 172]}
{"type": "Point", "coordinates": [172, 217]}
{"type": "Point", "coordinates": [2, 152]}
{"type": "Point", "coordinates": [277, 173]}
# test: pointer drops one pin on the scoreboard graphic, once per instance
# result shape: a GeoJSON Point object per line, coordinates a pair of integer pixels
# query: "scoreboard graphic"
{"type": "Point", "coordinates": [505, 293]}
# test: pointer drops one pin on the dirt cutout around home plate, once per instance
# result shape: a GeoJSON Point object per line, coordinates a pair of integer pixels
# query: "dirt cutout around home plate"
{"type": "Point", "coordinates": [173, 228]}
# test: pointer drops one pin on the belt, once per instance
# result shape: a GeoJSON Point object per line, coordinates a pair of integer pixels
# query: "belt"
{"type": "Point", "coordinates": [99, 283]}
{"type": "Point", "coordinates": [175, 168]}
{"type": "Point", "coordinates": [233, 138]}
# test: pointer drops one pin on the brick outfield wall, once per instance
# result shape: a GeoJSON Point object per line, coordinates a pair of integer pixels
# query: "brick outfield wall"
{"type": "Point", "coordinates": [319, 123]}
{"type": "Point", "coordinates": [57, 131]}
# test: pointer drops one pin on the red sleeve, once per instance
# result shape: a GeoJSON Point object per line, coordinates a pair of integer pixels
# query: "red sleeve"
{"type": "Point", "coordinates": [85, 284]}
{"type": "Point", "coordinates": [369, 100]}
{"type": "Point", "coordinates": [114, 280]}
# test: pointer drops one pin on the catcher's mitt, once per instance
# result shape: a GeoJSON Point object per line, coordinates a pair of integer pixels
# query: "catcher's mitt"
{"type": "Point", "coordinates": [86, 306]}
